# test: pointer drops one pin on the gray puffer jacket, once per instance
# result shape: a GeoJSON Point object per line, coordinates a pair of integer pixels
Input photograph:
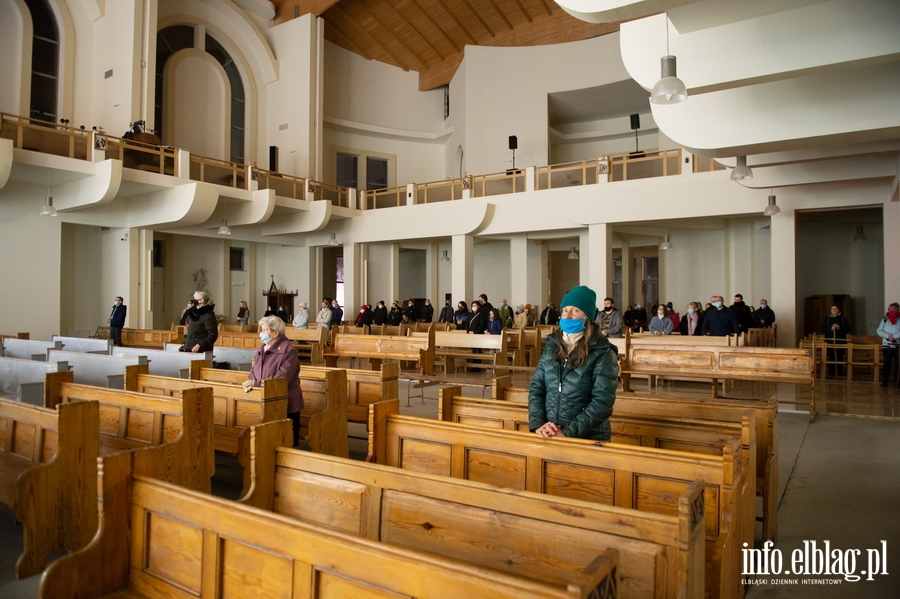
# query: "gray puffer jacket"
{"type": "Point", "coordinates": [580, 400]}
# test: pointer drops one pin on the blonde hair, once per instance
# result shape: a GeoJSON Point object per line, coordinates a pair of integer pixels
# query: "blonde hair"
{"type": "Point", "coordinates": [581, 351]}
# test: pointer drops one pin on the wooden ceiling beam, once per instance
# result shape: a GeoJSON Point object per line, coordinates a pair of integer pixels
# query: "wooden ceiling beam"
{"type": "Point", "coordinates": [396, 60]}
{"type": "Point", "coordinates": [396, 36]}
{"type": "Point", "coordinates": [456, 20]}
{"type": "Point", "coordinates": [428, 18]}
{"type": "Point", "coordinates": [439, 74]}
{"type": "Point", "coordinates": [336, 35]}
{"type": "Point", "coordinates": [412, 26]}
{"type": "Point", "coordinates": [500, 12]}
{"type": "Point", "coordinates": [478, 16]}
{"type": "Point", "coordinates": [547, 8]}
{"type": "Point", "coordinates": [315, 7]}
{"type": "Point", "coordinates": [523, 11]}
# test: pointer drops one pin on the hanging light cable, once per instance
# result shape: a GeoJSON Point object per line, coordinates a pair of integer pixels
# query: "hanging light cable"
{"type": "Point", "coordinates": [669, 89]}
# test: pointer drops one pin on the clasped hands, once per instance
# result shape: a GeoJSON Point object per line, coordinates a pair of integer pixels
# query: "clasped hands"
{"type": "Point", "coordinates": [248, 384]}
{"type": "Point", "coordinates": [550, 429]}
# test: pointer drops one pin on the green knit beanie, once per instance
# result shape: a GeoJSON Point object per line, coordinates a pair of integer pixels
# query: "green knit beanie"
{"type": "Point", "coordinates": [583, 298]}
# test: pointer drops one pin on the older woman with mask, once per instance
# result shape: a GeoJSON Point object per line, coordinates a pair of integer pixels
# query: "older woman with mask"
{"type": "Point", "coordinates": [301, 319]}
{"type": "Point", "coordinates": [277, 358]}
{"type": "Point", "coordinates": [202, 327]}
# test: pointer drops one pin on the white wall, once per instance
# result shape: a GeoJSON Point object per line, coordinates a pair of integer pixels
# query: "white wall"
{"type": "Point", "coordinates": [14, 30]}
{"type": "Point", "coordinates": [381, 282]}
{"type": "Point", "coordinates": [694, 267]}
{"type": "Point", "coordinates": [192, 254]}
{"type": "Point", "coordinates": [197, 111]}
{"type": "Point", "coordinates": [492, 271]}
{"type": "Point", "coordinates": [287, 263]}
{"type": "Point", "coordinates": [412, 274]}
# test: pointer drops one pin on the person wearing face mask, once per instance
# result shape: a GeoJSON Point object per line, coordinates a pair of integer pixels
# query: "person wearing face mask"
{"type": "Point", "coordinates": [549, 315]}
{"type": "Point", "coordinates": [520, 321]}
{"type": "Point", "coordinates": [277, 358]}
{"type": "Point", "coordinates": [505, 314]}
{"type": "Point", "coordinates": [243, 315]}
{"type": "Point", "coordinates": [661, 324]}
{"type": "Point", "coordinates": [301, 319]}
{"type": "Point", "coordinates": [609, 320]}
{"type": "Point", "coordinates": [461, 316]}
{"type": "Point", "coordinates": [764, 316]}
{"type": "Point", "coordinates": [446, 313]}
{"type": "Point", "coordinates": [639, 314]}
{"type": "Point", "coordinates": [742, 311]}
{"type": "Point", "coordinates": [573, 388]}
{"type": "Point", "coordinates": [676, 319]}
{"type": "Point", "coordinates": [692, 321]}
{"type": "Point", "coordinates": [719, 321]}
{"type": "Point", "coordinates": [364, 318]}
{"type": "Point", "coordinates": [427, 312]}
{"type": "Point", "coordinates": [835, 329]}
{"type": "Point", "coordinates": [337, 314]}
{"type": "Point", "coordinates": [889, 331]}
{"type": "Point", "coordinates": [478, 321]}
{"type": "Point", "coordinates": [323, 317]}
{"type": "Point", "coordinates": [494, 324]}
{"type": "Point", "coordinates": [395, 315]}
{"type": "Point", "coordinates": [116, 320]}
{"type": "Point", "coordinates": [380, 314]}
{"type": "Point", "coordinates": [411, 313]}
{"type": "Point", "coordinates": [202, 329]}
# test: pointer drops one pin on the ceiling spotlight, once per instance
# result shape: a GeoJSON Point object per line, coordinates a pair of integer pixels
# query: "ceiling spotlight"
{"type": "Point", "coordinates": [47, 209]}
{"type": "Point", "coordinates": [224, 229]}
{"type": "Point", "coordinates": [445, 257]}
{"type": "Point", "coordinates": [666, 244]}
{"type": "Point", "coordinates": [333, 240]}
{"type": "Point", "coordinates": [573, 255]}
{"type": "Point", "coordinates": [772, 209]}
{"type": "Point", "coordinates": [860, 236]}
{"type": "Point", "coordinates": [741, 171]}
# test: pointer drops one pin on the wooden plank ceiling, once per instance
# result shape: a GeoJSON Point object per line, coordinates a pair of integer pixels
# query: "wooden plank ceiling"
{"type": "Point", "coordinates": [429, 36]}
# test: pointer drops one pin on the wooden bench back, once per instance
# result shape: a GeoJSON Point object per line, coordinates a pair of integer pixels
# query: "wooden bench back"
{"type": "Point", "coordinates": [48, 469]}
{"type": "Point", "coordinates": [177, 431]}
{"type": "Point", "coordinates": [149, 338]}
{"type": "Point", "coordinates": [158, 540]}
{"type": "Point", "coordinates": [238, 340]}
{"type": "Point", "coordinates": [98, 369]}
{"type": "Point", "coordinates": [365, 387]}
{"type": "Point", "coordinates": [381, 347]}
{"type": "Point", "coordinates": [666, 340]}
{"type": "Point", "coordinates": [450, 339]}
{"type": "Point", "coordinates": [659, 555]}
{"type": "Point", "coordinates": [640, 478]}
{"type": "Point", "coordinates": [234, 411]}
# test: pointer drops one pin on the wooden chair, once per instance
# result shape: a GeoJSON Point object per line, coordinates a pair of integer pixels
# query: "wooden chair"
{"type": "Point", "coordinates": [864, 351]}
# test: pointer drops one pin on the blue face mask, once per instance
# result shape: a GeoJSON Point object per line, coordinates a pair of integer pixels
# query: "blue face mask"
{"type": "Point", "coordinates": [571, 325]}
{"type": "Point", "coordinates": [717, 305]}
{"type": "Point", "coordinates": [265, 337]}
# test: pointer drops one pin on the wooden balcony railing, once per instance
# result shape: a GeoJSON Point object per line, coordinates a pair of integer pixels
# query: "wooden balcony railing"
{"type": "Point", "coordinates": [286, 186]}
{"type": "Point", "coordinates": [628, 167]}
{"type": "Point", "coordinates": [140, 155]}
{"type": "Point", "coordinates": [703, 164]}
{"type": "Point", "coordinates": [440, 191]}
{"type": "Point", "coordinates": [570, 174]}
{"type": "Point", "coordinates": [46, 137]}
{"type": "Point", "coordinates": [219, 172]}
{"type": "Point", "coordinates": [385, 198]}
{"type": "Point", "coordinates": [339, 196]}
{"type": "Point", "coordinates": [512, 181]}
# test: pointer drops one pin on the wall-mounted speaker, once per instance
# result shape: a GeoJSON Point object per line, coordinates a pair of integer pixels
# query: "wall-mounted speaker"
{"type": "Point", "coordinates": [635, 121]}
{"type": "Point", "coordinates": [513, 142]}
{"type": "Point", "coordinates": [273, 158]}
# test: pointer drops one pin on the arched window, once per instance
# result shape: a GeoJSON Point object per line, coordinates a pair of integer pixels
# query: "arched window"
{"type": "Point", "coordinates": [170, 40]}
{"type": "Point", "coordinates": [44, 61]}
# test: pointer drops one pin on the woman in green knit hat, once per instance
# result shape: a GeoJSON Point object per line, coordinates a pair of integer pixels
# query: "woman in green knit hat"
{"type": "Point", "coordinates": [574, 386]}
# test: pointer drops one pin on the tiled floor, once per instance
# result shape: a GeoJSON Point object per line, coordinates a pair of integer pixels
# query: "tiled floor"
{"type": "Point", "coordinates": [839, 479]}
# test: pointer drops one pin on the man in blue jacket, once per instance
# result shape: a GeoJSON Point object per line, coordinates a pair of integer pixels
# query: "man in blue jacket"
{"type": "Point", "coordinates": [720, 321]}
{"type": "Point", "coordinates": [116, 321]}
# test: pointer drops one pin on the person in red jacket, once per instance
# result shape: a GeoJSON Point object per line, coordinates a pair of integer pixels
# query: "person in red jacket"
{"type": "Point", "coordinates": [277, 358]}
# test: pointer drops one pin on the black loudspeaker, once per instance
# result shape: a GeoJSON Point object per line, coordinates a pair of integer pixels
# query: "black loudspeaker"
{"type": "Point", "coordinates": [635, 121]}
{"type": "Point", "coordinates": [513, 142]}
{"type": "Point", "coordinates": [273, 158]}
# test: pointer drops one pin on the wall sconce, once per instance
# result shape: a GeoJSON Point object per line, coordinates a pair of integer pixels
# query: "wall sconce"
{"type": "Point", "coordinates": [47, 209]}
{"type": "Point", "coordinates": [666, 244]}
{"type": "Point", "coordinates": [772, 209]}
{"type": "Point", "coordinates": [333, 240]}
{"type": "Point", "coordinates": [573, 255]}
{"type": "Point", "coordinates": [741, 171]}
{"type": "Point", "coordinates": [860, 236]}
{"type": "Point", "coordinates": [445, 257]}
{"type": "Point", "coordinates": [224, 229]}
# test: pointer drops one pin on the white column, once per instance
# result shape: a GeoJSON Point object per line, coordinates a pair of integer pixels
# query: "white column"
{"type": "Point", "coordinates": [627, 273]}
{"type": "Point", "coordinates": [891, 250]}
{"type": "Point", "coordinates": [461, 259]}
{"type": "Point", "coordinates": [352, 297]}
{"type": "Point", "coordinates": [524, 269]}
{"type": "Point", "coordinates": [432, 291]}
{"type": "Point", "coordinates": [784, 274]}
{"type": "Point", "coordinates": [140, 253]}
{"type": "Point", "coordinates": [599, 259]}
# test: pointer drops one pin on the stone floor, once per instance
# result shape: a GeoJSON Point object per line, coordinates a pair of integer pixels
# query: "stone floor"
{"type": "Point", "coordinates": [839, 481]}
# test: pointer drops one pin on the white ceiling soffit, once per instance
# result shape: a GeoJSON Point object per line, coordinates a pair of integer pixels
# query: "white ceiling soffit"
{"type": "Point", "coordinates": [612, 11]}
{"type": "Point", "coordinates": [803, 76]}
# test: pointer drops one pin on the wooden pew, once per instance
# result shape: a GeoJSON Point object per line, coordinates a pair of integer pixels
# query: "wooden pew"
{"type": "Point", "coordinates": [234, 411]}
{"type": "Point", "coordinates": [24, 380]}
{"type": "Point", "coordinates": [150, 338]}
{"type": "Point", "coordinates": [533, 342]}
{"type": "Point", "coordinates": [451, 345]}
{"type": "Point", "coordinates": [642, 478]}
{"type": "Point", "coordinates": [515, 347]}
{"type": "Point", "coordinates": [176, 434]}
{"type": "Point", "coordinates": [774, 365]}
{"type": "Point", "coordinates": [100, 370]}
{"type": "Point", "coordinates": [377, 348]}
{"type": "Point", "coordinates": [309, 342]}
{"type": "Point", "coordinates": [365, 387]}
{"type": "Point", "coordinates": [159, 540]}
{"type": "Point", "coordinates": [677, 339]}
{"type": "Point", "coordinates": [238, 340]}
{"type": "Point", "coordinates": [48, 466]}
{"type": "Point", "coordinates": [28, 349]}
{"type": "Point", "coordinates": [83, 345]}
{"type": "Point", "coordinates": [659, 555]}
{"type": "Point", "coordinates": [657, 405]}
{"type": "Point", "coordinates": [166, 363]}
{"type": "Point", "coordinates": [16, 336]}
{"type": "Point", "coordinates": [323, 419]}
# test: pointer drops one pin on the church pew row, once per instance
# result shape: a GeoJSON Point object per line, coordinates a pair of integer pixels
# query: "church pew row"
{"type": "Point", "coordinates": [377, 348]}
{"type": "Point", "coordinates": [659, 555]}
{"type": "Point", "coordinates": [101, 370]}
{"type": "Point", "coordinates": [310, 343]}
{"type": "Point", "coordinates": [166, 363]}
{"type": "Point", "coordinates": [23, 380]}
{"type": "Point", "coordinates": [323, 419]}
{"type": "Point", "coordinates": [642, 478]}
{"type": "Point", "coordinates": [150, 338]}
{"type": "Point", "coordinates": [176, 434]}
{"type": "Point", "coordinates": [83, 345]}
{"type": "Point", "coordinates": [28, 349]}
{"type": "Point", "coordinates": [48, 467]}
{"type": "Point", "coordinates": [365, 387]}
{"type": "Point", "coordinates": [160, 540]}
{"type": "Point", "coordinates": [452, 345]}
{"type": "Point", "coordinates": [656, 405]}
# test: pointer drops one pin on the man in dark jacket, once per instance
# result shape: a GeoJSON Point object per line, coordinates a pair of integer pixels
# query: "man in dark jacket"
{"type": "Point", "coordinates": [486, 306]}
{"type": "Point", "coordinates": [764, 316]}
{"type": "Point", "coordinates": [428, 312]}
{"type": "Point", "coordinates": [446, 312]}
{"type": "Point", "coordinates": [202, 329]}
{"type": "Point", "coordinates": [380, 313]}
{"type": "Point", "coordinates": [835, 328]}
{"type": "Point", "coordinates": [742, 312]}
{"type": "Point", "coordinates": [411, 311]}
{"type": "Point", "coordinates": [116, 321]}
{"type": "Point", "coordinates": [337, 314]}
{"type": "Point", "coordinates": [720, 321]}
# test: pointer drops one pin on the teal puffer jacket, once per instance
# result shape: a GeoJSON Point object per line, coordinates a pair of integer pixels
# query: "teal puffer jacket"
{"type": "Point", "coordinates": [580, 400]}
